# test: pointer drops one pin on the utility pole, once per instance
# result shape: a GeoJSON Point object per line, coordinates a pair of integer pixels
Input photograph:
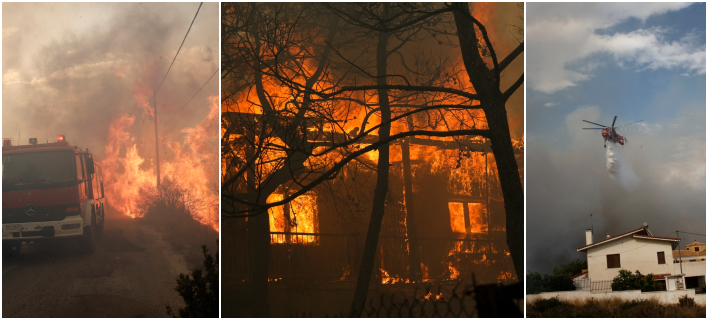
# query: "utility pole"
{"type": "Point", "coordinates": [157, 144]}
{"type": "Point", "coordinates": [679, 250]}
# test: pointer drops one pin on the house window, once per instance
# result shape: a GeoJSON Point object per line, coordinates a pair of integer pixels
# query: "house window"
{"type": "Point", "coordinates": [468, 217]}
{"type": "Point", "coordinates": [295, 221]}
{"type": "Point", "coordinates": [613, 261]}
{"type": "Point", "coordinates": [696, 249]}
{"type": "Point", "coordinates": [660, 256]}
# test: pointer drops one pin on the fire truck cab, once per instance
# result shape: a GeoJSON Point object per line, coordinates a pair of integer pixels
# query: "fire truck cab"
{"type": "Point", "coordinates": [50, 191]}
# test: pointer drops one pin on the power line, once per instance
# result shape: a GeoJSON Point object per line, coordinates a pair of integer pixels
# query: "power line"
{"type": "Point", "coordinates": [190, 99]}
{"type": "Point", "coordinates": [180, 47]}
{"type": "Point", "coordinates": [695, 234]}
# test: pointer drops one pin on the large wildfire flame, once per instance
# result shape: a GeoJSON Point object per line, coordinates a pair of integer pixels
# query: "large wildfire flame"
{"type": "Point", "coordinates": [192, 163]}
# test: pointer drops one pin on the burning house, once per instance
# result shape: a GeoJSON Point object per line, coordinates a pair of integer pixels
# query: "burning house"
{"type": "Point", "coordinates": [360, 147]}
{"type": "Point", "coordinates": [444, 216]}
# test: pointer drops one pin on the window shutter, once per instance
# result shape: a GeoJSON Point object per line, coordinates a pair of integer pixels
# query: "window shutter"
{"type": "Point", "coordinates": [613, 261]}
{"type": "Point", "coordinates": [660, 256]}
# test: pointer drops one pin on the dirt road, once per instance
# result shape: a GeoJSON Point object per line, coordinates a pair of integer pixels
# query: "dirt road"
{"type": "Point", "coordinates": [131, 274]}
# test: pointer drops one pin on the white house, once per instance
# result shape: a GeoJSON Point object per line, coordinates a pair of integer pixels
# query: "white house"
{"type": "Point", "coordinates": [634, 250]}
{"type": "Point", "coordinates": [692, 264]}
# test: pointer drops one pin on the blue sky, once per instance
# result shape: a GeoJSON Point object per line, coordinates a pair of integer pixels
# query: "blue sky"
{"type": "Point", "coordinates": [592, 61]}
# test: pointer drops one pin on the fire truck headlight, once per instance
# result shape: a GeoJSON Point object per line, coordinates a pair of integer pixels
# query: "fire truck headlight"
{"type": "Point", "coordinates": [70, 226]}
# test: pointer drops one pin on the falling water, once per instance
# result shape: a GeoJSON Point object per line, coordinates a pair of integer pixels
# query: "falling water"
{"type": "Point", "coordinates": [620, 168]}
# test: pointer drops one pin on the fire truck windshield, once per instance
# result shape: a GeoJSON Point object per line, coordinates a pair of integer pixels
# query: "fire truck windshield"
{"type": "Point", "coordinates": [38, 170]}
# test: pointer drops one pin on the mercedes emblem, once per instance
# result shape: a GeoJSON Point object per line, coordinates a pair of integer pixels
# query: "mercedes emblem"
{"type": "Point", "coordinates": [30, 209]}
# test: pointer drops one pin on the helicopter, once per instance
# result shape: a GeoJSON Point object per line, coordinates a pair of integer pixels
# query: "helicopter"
{"type": "Point", "coordinates": [609, 133]}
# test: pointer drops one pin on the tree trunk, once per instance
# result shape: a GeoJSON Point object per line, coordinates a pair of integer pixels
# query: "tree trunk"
{"type": "Point", "coordinates": [493, 104]}
{"type": "Point", "coordinates": [379, 202]}
{"type": "Point", "coordinates": [411, 229]}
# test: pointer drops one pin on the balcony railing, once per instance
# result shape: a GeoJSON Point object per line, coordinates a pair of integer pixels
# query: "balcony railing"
{"type": "Point", "coordinates": [336, 257]}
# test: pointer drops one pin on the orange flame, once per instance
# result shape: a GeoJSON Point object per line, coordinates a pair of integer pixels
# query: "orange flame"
{"type": "Point", "coordinates": [301, 218]}
{"type": "Point", "coordinates": [193, 163]}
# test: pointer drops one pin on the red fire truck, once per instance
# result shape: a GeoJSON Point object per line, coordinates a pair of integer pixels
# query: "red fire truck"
{"type": "Point", "coordinates": [50, 191]}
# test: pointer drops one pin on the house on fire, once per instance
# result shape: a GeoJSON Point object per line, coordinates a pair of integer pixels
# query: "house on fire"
{"type": "Point", "coordinates": [640, 250]}
{"type": "Point", "coordinates": [457, 226]}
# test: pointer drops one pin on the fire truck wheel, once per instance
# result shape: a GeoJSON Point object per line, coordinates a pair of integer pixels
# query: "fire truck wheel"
{"type": "Point", "coordinates": [88, 241]}
{"type": "Point", "coordinates": [11, 248]}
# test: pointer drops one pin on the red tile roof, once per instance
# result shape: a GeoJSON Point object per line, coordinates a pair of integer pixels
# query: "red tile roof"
{"type": "Point", "coordinates": [660, 276]}
{"type": "Point", "coordinates": [655, 237]}
{"type": "Point", "coordinates": [642, 229]}
{"type": "Point", "coordinates": [689, 253]}
{"type": "Point", "coordinates": [642, 233]}
{"type": "Point", "coordinates": [580, 274]}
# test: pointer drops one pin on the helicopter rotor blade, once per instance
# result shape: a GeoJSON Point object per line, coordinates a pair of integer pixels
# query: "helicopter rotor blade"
{"type": "Point", "coordinates": [597, 124]}
{"type": "Point", "coordinates": [629, 124]}
{"type": "Point", "coordinates": [593, 128]}
{"type": "Point", "coordinates": [613, 121]}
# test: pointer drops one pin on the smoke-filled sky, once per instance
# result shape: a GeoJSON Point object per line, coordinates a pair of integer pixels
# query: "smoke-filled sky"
{"type": "Point", "coordinates": [73, 68]}
{"type": "Point", "coordinates": [638, 61]}
{"type": "Point", "coordinates": [501, 21]}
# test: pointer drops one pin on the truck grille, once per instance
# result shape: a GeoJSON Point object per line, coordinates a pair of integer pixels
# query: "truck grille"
{"type": "Point", "coordinates": [47, 213]}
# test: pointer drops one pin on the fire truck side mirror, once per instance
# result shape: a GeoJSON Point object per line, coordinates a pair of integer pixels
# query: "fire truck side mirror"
{"type": "Point", "coordinates": [90, 169]}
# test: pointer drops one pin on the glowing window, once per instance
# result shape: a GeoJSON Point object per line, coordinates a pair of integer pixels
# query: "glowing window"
{"type": "Point", "coordinates": [468, 217]}
{"type": "Point", "coordinates": [457, 217]}
{"type": "Point", "coordinates": [291, 220]}
{"type": "Point", "coordinates": [478, 218]}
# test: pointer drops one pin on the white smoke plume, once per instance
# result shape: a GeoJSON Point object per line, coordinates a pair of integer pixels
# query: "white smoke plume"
{"type": "Point", "coordinates": [620, 168]}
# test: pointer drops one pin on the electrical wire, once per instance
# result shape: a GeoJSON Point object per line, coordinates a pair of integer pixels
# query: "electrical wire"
{"type": "Point", "coordinates": [180, 48]}
{"type": "Point", "coordinates": [695, 234]}
{"type": "Point", "coordinates": [190, 99]}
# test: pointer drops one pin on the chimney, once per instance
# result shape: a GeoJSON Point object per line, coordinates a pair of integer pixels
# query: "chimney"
{"type": "Point", "coordinates": [588, 236]}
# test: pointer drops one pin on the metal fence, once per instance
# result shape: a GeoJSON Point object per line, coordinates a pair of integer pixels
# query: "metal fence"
{"type": "Point", "coordinates": [446, 301]}
{"type": "Point", "coordinates": [331, 257]}
{"type": "Point", "coordinates": [593, 286]}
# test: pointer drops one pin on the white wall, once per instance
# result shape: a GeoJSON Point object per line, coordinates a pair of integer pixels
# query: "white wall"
{"type": "Point", "coordinates": [635, 254]}
{"type": "Point", "coordinates": [691, 269]}
{"type": "Point", "coordinates": [664, 297]}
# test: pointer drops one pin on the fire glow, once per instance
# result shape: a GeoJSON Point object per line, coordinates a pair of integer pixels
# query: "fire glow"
{"type": "Point", "coordinates": [192, 164]}
{"type": "Point", "coordinates": [298, 216]}
{"type": "Point", "coordinates": [464, 165]}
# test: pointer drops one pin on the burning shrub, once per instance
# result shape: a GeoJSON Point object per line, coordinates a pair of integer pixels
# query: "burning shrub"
{"type": "Point", "coordinates": [170, 200]}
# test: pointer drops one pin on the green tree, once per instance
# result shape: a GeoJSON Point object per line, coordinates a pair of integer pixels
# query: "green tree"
{"type": "Point", "coordinates": [571, 268]}
{"type": "Point", "coordinates": [626, 280]}
{"type": "Point", "coordinates": [558, 282]}
{"type": "Point", "coordinates": [534, 282]}
{"type": "Point", "coordinates": [200, 292]}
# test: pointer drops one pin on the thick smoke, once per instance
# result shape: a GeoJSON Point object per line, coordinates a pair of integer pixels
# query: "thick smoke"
{"type": "Point", "coordinates": [620, 168]}
{"type": "Point", "coordinates": [566, 182]}
{"type": "Point", "coordinates": [85, 69]}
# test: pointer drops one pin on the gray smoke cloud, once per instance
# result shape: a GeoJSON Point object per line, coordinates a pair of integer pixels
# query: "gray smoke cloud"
{"type": "Point", "coordinates": [73, 68]}
{"type": "Point", "coordinates": [567, 183]}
